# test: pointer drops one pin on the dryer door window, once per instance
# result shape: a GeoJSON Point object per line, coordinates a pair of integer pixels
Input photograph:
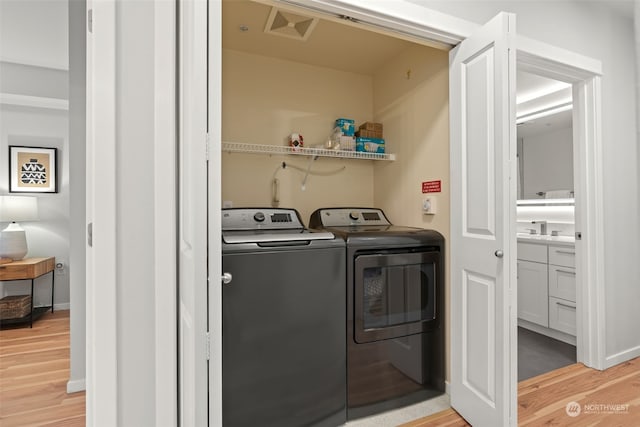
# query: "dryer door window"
{"type": "Point", "coordinates": [395, 294]}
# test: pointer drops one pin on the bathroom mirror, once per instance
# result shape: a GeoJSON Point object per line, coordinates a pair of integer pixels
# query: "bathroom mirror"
{"type": "Point", "coordinates": [544, 138]}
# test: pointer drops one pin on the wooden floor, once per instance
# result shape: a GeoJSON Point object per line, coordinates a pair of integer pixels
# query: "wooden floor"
{"type": "Point", "coordinates": [34, 370]}
{"type": "Point", "coordinates": [542, 400]}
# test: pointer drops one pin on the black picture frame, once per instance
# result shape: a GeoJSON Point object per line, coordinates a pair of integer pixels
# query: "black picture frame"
{"type": "Point", "coordinates": [33, 169]}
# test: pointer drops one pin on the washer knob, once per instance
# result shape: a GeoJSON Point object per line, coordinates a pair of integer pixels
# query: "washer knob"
{"type": "Point", "coordinates": [259, 217]}
{"type": "Point", "coordinates": [354, 215]}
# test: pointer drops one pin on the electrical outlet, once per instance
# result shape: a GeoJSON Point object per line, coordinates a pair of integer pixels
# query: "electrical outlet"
{"type": "Point", "coordinates": [227, 204]}
{"type": "Point", "coordinates": [61, 267]}
{"type": "Point", "coordinates": [429, 205]}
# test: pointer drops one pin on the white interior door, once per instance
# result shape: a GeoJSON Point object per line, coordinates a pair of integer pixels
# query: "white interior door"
{"type": "Point", "coordinates": [482, 93]}
{"type": "Point", "coordinates": [192, 228]}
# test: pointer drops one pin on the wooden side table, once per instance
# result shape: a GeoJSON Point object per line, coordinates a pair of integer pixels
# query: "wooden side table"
{"type": "Point", "coordinates": [29, 269]}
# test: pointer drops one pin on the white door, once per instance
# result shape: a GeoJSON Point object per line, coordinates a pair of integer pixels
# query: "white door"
{"type": "Point", "coordinates": [192, 214]}
{"type": "Point", "coordinates": [482, 93]}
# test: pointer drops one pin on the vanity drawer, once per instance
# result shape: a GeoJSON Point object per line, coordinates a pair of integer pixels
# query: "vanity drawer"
{"type": "Point", "coordinates": [532, 252]}
{"type": "Point", "coordinates": [562, 282]}
{"type": "Point", "coordinates": [562, 315]}
{"type": "Point", "coordinates": [562, 255]}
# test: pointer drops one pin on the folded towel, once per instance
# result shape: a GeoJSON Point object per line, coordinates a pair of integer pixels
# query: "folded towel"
{"type": "Point", "coordinates": [558, 194]}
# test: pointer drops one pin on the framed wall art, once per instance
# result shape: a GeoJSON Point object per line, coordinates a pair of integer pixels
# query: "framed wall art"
{"type": "Point", "coordinates": [32, 170]}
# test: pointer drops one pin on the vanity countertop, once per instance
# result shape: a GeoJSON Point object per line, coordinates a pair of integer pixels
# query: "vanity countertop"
{"type": "Point", "coordinates": [546, 239]}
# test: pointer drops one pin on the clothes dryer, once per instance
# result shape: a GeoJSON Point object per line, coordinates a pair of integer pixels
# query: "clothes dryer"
{"type": "Point", "coordinates": [395, 309]}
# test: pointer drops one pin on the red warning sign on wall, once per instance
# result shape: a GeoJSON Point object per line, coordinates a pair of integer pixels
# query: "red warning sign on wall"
{"type": "Point", "coordinates": [432, 186]}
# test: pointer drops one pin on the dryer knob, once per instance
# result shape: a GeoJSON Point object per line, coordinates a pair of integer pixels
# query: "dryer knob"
{"type": "Point", "coordinates": [354, 215]}
{"type": "Point", "coordinates": [259, 217]}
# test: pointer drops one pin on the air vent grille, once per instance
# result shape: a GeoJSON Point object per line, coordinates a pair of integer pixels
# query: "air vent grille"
{"type": "Point", "coordinates": [289, 24]}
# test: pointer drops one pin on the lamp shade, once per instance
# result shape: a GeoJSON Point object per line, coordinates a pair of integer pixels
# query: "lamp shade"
{"type": "Point", "coordinates": [18, 208]}
{"type": "Point", "coordinates": [13, 240]}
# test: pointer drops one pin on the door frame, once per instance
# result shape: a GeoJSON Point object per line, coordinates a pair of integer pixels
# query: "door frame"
{"type": "Point", "coordinates": [214, 204]}
{"type": "Point", "coordinates": [102, 319]}
{"type": "Point", "coordinates": [585, 76]}
{"type": "Point", "coordinates": [101, 198]}
{"type": "Point", "coordinates": [193, 377]}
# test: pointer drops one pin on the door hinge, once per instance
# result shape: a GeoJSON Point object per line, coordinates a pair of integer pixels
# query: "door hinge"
{"type": "Point", "coordinates": [208, 345]}
{"type": "Point", "coordinates": [206, 148]}
{"type": "Point", "coordinates": [90, 20]}
{"type": "Point", "coordinates": [90, 234]}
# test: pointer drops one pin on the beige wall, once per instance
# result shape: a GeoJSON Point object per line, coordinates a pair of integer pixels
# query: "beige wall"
{"type": "Point", "coordinates": [415, 116]}
{"type": "Point", "coordinates": [263, 101]}
{"type": "Point", "coordinates": [414, 110]}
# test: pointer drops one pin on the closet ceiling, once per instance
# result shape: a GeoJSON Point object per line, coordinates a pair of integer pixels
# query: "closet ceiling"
{"type": "Point", "coordinates": [341, 46]}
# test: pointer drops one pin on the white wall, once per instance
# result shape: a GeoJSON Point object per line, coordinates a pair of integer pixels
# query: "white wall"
{"type": "Point", "coordinates": [34, 32]}
{"type": "Point", "coordinates": [415, 115]}
{"type": "Point", "coordinates": [34, 59]}
{"type": "Point", "coordinates": [592, 29]}
{"type": "Point", "coordinates": [50, 235]}
{"type": "Point", "coordinates": [77, 188]}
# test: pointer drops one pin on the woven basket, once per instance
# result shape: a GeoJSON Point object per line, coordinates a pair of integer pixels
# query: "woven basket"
{"type": "Point", "coordinates": [14, 306]}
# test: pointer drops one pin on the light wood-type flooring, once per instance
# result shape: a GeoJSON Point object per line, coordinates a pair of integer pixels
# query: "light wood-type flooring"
{"type": "Point", "coordinates": [542, 400]}
{"type": "Point", "coordinates": [34, 370]}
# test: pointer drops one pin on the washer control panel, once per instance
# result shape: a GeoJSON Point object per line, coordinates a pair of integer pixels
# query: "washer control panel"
{"type": "Point", "coordinates": [260, 219]}
{"type": "Point", "coordinates": [345, 217]}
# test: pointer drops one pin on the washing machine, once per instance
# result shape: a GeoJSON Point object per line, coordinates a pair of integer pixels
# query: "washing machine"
{"type": "Point", "coordinates": [395, 309]}
{"type": "Point", "coordinates": [283, 314]}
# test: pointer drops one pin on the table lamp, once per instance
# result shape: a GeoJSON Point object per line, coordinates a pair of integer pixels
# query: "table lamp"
{"type": "Point", "coordinates": [13, 241]}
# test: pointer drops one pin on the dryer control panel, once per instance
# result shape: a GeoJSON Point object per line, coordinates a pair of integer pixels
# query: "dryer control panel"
{"type": "Point", "coordinates": [346, 217]}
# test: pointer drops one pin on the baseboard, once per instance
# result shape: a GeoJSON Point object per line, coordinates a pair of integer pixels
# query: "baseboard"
{"type": "Point", "coordinates": [76, 386]}
{"type": "Point", "coordinates": [621, 357]}
{"type": "Point", "coordinates": [58, 307]}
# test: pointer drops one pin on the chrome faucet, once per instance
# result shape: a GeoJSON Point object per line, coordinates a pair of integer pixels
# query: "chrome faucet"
{"type": "Point", "coordinates": [543, 226]}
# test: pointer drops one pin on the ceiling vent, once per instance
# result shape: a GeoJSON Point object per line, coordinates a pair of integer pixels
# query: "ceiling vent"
{"type": "Point", "coordinates": [289, 24]}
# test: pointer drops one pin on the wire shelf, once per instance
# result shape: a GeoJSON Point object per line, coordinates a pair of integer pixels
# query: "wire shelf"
{"type": "Point", "coordinates": [241, 147]}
